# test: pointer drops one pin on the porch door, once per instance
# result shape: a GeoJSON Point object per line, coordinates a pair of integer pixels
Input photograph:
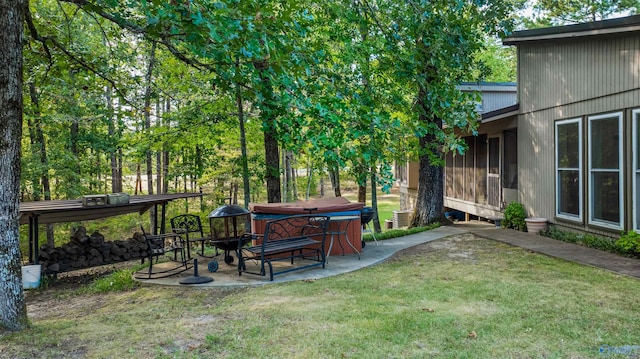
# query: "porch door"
{"type": "Point", "coordinates": [494, 190]}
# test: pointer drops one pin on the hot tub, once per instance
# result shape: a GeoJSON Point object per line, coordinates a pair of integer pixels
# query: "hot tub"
{"type": "Point", "coordinates": [345, 216]}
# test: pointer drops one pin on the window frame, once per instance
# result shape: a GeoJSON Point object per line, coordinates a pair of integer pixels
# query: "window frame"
{"type": "Point", "coordinates": [563, 215]}
{"type": "Point", "coordinates": [635, 118]}
{"type": "Point", "coordinates": [591, 219]}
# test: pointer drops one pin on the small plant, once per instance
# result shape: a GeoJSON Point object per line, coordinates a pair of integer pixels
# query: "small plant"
{"type": "Point", "coordinates": [629, 243]}
{"type": "Point", "coordinates": [393, 233]}
{"type": "Point", "coordinates": [514, 216]}
{"type": "Point", "coordinates": [118, 281]}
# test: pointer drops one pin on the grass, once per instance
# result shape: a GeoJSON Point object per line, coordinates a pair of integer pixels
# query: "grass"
{"type": "Point", "coordinates": [387, 203]}
{"type": "Point", "coordinates": [459, 297]}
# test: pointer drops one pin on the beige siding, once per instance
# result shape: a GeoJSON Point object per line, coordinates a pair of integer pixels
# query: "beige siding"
{"type": "Point", "coordinates": [559, 73]}
{"type": "Point", "coordinates": [563, 80]}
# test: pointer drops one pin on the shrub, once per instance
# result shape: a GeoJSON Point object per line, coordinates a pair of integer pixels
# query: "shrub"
{"type": "Point", "coordinates": [514, 216]}
{"type": "Point", "coordinates": [601, 243]}
{"type": "Point", "coordinates": [555, 233]}
{"type": "Point", "coordinates": [629, 243]}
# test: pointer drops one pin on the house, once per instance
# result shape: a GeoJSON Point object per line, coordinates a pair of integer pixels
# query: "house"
{"type": "Point", "coordinates": [579, 96]}
{"type": "Point", "coordinates": [569, 150]}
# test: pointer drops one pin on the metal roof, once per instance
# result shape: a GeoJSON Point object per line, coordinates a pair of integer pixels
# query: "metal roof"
{"type": "Point", "coordinates": [500, 113]}
{"type": "Point", "coordinates": [604, 27]}
{"type": "Point", "coordinates": [73, 210]}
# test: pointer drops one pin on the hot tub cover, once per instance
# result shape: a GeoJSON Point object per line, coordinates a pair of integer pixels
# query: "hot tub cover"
{"type": "Point", "coordinates": [325, 205]}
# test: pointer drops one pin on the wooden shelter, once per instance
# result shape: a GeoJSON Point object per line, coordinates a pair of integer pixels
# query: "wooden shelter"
{"type": "Point", "coordinates": [44, 212]}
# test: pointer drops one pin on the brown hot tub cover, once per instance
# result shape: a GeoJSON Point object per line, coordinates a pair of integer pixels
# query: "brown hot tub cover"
{"type": "Point", "coordinates": [325, 205]}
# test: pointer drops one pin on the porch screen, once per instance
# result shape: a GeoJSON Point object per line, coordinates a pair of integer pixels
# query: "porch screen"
{"type": "Point", "coordinates": [469, 173]}
{"type": "Point", "coordinates": [481, 169]}
{"type": "Point", "coordinates": [510, 170]}
{"type": "Point", "coordinates": [448, 171]}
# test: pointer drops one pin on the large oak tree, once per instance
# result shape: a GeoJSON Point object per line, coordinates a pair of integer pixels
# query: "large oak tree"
{"type": "Point", "coordinates": [13, 311]}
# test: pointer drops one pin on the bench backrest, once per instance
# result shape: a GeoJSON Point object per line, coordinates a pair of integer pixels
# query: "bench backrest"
{"type": "Point", "coordinates": [314, 226]}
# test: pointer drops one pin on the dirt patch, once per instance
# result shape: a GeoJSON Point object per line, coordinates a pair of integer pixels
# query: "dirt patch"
{"type": "Point", "coordinates": [451, 247]}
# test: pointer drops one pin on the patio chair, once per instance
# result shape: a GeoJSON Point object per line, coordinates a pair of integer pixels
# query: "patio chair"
{"type": "Point", "coordinates": [190, 226]}
{"type": "Point", "coordinates": [160, 245]}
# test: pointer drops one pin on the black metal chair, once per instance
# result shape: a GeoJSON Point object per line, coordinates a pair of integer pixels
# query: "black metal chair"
{"type": "Point", "coordinates": [367, 214]}
{"type": "Point", "coordinates": [190, 226]}
{"type": "Point", "coordinates": [160, 245]}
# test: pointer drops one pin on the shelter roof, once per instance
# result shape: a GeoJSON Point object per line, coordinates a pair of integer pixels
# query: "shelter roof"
{"type": "Point", "coordinates": [73, 210]}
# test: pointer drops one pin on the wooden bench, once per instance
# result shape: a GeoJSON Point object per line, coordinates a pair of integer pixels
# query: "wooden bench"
{"type": "Point", "coordinates": [288, 238]}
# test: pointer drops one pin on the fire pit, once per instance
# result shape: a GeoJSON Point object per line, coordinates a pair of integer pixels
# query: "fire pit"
{"type": "Point", "coordinates": [230, 230]}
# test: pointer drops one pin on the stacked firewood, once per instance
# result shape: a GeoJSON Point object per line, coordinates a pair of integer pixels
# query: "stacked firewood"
{"type": "Point", "coordinates": [84, 251]}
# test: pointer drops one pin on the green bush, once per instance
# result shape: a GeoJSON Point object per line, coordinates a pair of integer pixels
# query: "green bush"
{"type": "Point", "coordinates": [555, 233]}
{"type": "Point", "coordinates": [629, 243]}
{"type": "Point", "coordinates": [598, 242]}
{"type": "Point", "coordinates": [514, 216]}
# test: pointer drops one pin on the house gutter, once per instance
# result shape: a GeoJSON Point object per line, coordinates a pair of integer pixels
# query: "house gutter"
{"type": "Point", "coordinates": [597, 28]}
{"type": "Point", "coordinates": [500, 113]}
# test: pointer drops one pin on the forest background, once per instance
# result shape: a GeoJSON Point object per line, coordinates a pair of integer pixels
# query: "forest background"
{"type": "Point", "coordinates": [117, 105]}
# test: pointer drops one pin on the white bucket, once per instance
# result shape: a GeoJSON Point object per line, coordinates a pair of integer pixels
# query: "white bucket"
{"type": "Point", "coordinates": [31, 276]}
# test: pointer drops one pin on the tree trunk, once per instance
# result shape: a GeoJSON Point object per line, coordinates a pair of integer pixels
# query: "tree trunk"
{"type": "Point", "coordinates": [158, 153]}
{"type": "Point", "coordinates": [116, 174]}
{"type": "Point", "coordinates": [362, 193]}
{"type": "Point", "coordinates": [119, 160]}
{"type": "Point", "coordinates": [268, 114]}
{"type": "Point", "coordinates": [147, 126]}
{"type": "Point", "coordinates": [286, 165]}
{"type": "Point", "coordinates": [165, 152]}
{"type": "Point", "coordinates": [138, 181]}
{"type": "Point", "coordinates": [429, 206]}
{"type": "Point", "coordinates": [74, 188]}
{"type": "Point", "coordinates": [235, 189]}
{"type": "Point", "coordinates": [243, 147]}
{"type": "Point", "coordinates": [334, 175]}
{"type": "Point", "coordinates": [309, 179]}
{"type": "Point", "coordinates": [374, 201]}
{"type": "Point", "coordinates": [292, 167]}
{"type": "Point", "coordinates": [198, 168]}
{"type": "Point", "coordinates": [13, 316]}
{"type": "Point", "coordinates": [39, 149]}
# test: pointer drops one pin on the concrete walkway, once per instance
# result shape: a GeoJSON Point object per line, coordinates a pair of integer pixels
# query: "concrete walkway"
{"type": "Point", "coordinates": [227, 275]}
{"type": "Point", "coordinates": [554, 248]}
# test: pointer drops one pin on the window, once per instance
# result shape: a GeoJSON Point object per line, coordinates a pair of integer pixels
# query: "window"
{"type": "Point", "coordinates": [510, 167]}
{"type": "Point", "coordinates": [636, 169]}
{"type": "Point", "coordinates": [569, 169]}
{"type": "Point", "coordinates": [605, 170]}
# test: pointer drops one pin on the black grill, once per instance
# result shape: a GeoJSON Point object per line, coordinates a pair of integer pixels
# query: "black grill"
{"type": "Point", "coordinates": [366, 215]}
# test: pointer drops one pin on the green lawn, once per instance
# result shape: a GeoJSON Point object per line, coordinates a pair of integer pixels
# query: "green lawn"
{"type": "Point", "coordinates": [459, 297]}
{"type": "Point", "coordinates": [387, 203]}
